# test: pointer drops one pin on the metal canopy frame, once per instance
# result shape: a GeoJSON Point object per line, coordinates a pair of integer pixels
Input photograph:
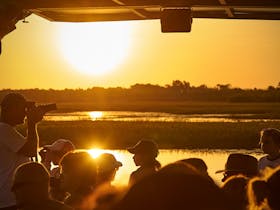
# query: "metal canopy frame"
{"type": "Point", "coordinates": [118, 10]}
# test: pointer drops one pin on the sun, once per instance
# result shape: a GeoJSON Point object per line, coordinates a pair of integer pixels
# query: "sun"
{"type": "Point", "coordinates": [95, 48]}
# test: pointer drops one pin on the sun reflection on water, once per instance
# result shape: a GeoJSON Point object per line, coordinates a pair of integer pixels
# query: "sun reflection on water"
{"type": "Point", "coordinates": [95, 115]}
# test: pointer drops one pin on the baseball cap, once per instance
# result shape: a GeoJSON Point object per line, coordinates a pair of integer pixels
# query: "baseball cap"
{"type": "Point", "coordinates": [107, 162]}
{"type": "Point", "coordinates": [61, 145]}
{"type": "Point", "coordinates": [144, 147]}
{"type": "Point", "coordinates": [12, 99]}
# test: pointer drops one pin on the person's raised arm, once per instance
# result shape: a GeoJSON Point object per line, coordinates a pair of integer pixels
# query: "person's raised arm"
{"type": "Point", "coordinates": [29, 149]}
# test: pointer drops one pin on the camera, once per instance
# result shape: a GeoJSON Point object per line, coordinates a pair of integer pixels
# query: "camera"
{"type": "Point", "coordinates": [42, 108]}
{"type": "Point", "coordinates": [47, 107]}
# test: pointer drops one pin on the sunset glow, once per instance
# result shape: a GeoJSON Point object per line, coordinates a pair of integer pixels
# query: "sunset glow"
{"type": "Point", "coordinates": [95, 48]}
{"type": "Point", "coordinates": [120, 54]}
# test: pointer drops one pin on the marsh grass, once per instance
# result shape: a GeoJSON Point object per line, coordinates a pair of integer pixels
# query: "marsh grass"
{"type": "Point", "coordinates": [120, 135]}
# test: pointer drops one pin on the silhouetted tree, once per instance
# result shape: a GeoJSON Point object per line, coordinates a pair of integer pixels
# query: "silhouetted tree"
{"type": "Point", "coordinates": [176, 91]}
{"type": "Point", "coordinates": [223, 86]}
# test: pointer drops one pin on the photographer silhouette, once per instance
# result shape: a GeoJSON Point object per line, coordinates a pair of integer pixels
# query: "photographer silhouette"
{"type": "Point", "coordinates": [16, 149]}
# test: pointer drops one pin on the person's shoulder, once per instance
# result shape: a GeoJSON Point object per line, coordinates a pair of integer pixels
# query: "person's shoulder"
{"type": "Point", "coordinates": [134, 172]}
{"type": "Point", "coordinates": [137, 170]}
{"type": "Point", "coordinates": [148, 169]}
{"type": "Point", "coordinates": [6, 129]}
{"type": "Point", "coordinates": [264, 158]}
{"type": "Point", "coordinates": [264, 162]}
{"type": "Point", "coordinates": [143, 171]}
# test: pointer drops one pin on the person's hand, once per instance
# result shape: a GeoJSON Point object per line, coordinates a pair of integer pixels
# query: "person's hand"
{"type": "Point", "coordinates": [45, 159]}
{"type": "Point", "coordinates": [34, 114]}
{"type": "Point", "coordinates": [43, 154]}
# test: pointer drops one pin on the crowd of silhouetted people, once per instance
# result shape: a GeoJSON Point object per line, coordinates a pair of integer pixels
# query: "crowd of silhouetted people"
{"type": "Point", "coordinates": [66, 178]}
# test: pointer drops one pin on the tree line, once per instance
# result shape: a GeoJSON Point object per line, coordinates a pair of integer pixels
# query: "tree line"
{"type": "Point", "coordinates": [176, 91]}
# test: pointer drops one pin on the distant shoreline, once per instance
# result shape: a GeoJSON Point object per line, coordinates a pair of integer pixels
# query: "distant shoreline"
{"type": "Point", "coordinates": [175, 107]}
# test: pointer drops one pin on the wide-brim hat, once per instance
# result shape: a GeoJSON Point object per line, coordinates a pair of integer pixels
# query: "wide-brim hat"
{"type": "Point", "coordinates": [241, 163]}
{"type": "Point", "coordinates": [148, 147]}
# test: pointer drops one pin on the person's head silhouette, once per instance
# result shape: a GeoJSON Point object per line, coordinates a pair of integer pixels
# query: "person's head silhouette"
{"type": "Point", "coordinates": [31, 184]}
{"type": "Point", "coordinates": [13, 109]}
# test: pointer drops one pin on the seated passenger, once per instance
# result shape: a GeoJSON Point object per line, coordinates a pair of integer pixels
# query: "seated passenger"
{"type": "Point", "coordinates": [106, 195]}
{"type": "Point", "coordinates": [235, 188]}
{"type": "Point", "coordinates": [270, 144]}
{"type": "Point", "coordinates": [257, 193]}
{"type": "Point", "coordinates": [31, 188]}
{"type": "Point", "coordinates": [198, 163]}
{"type": "Point", "coordinates": [145, 153]}
{"type": "Point", "coordinates": [78, 178]}
{"type": "Point", "coordinates": [175, 186]}
{"type": "Point", "coordinates": [52, 154]}
{"type": "Point", "coordinates": [107, 167]}
{"type": "Point", "coordinates": [263, 193]}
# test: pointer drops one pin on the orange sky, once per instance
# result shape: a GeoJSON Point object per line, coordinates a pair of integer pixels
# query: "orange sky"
{"type": "Point", "coordinates": [244, 53]}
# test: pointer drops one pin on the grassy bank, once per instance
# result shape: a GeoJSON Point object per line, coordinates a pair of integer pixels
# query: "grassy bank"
{"type": "Point", "coordinates": [118, 135]}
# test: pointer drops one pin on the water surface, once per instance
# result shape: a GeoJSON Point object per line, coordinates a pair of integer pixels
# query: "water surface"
{"type": "Point", "coordinates": [215, 160]}
{"type": "Point", "coordinates": [152, 117]}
